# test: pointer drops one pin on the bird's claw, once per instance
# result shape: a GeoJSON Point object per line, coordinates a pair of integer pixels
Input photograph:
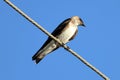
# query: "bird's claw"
{"type": "Point", "coordinates": [66, 46]}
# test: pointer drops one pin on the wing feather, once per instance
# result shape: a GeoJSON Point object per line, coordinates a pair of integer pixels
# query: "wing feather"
{"type": "Point", "coordinates": [57, 31]}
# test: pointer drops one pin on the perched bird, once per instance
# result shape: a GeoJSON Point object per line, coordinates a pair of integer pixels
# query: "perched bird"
{"type": "Point", "coordinates": [65, 32]}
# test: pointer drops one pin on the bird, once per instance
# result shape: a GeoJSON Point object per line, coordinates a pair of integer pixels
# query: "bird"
{"type": "Point", "coordinates": [65, 32]}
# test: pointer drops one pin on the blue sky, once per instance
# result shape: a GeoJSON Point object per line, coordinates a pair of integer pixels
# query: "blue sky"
{"type": "Point", "coordinates": [98, 42]}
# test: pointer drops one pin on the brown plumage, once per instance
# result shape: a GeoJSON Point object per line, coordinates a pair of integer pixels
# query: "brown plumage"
{"type": "Point", "coordinates": [66, 31]}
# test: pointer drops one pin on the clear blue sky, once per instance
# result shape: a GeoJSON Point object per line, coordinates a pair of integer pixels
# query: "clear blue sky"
{"type": "Point", "coordinates": [98, 43]}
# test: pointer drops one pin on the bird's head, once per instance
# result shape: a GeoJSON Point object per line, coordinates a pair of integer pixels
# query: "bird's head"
{"type": "Point", "coordinates": [77, 21]}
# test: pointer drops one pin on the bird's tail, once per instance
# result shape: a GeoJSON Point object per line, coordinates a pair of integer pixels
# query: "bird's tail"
{"type": "Point", "coordinates": [38, 57]}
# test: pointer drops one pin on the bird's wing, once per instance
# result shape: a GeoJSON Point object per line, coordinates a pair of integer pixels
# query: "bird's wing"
{"type": "Point", "coordinates": [57, 31]}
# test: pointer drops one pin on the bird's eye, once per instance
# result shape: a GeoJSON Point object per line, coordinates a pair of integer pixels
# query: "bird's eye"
{"type": "Point", "coordinates": [80, 20]}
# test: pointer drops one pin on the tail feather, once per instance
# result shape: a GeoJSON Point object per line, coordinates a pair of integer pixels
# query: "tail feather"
{"type": "Point", "coordinates": [37, 60]}
{"type": "Point", "coordinates": [35, 56]}
{"type": "Point", "coordinates": [38, 57]}
{"type": "Point", "coordinates": [41, 54]}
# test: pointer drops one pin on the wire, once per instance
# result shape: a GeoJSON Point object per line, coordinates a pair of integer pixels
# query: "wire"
{"type": "Point", "coordinates": [57, 40]}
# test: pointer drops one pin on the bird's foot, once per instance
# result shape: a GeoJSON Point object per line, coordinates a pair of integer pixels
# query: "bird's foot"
{"type": "Point", "coordinates": [66, 46]}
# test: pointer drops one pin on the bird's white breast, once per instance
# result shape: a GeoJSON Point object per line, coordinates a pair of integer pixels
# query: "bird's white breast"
{"type": "Point", "coordinates": [67, 34]}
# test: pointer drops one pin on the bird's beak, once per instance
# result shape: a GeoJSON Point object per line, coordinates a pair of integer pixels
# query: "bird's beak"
{"type": "Point", "coordinates": [83, 25]}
